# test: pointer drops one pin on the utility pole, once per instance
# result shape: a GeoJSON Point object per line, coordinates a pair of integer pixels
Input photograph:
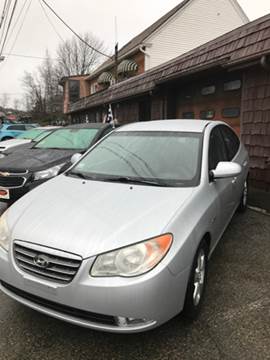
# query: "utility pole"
{"type": "Point", "coordinates": [116, 51]}
{"type": "Point", "coordinates": [116, 62]}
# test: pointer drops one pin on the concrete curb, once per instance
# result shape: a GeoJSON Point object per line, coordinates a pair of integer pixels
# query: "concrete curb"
{"type": "Point", "coordinates": [259, 210]}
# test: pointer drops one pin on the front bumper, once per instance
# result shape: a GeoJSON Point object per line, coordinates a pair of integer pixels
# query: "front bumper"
{"type": "Point", "coordinates": [99, 303]}
{"type": "Point", "coordinates": [17, 193]}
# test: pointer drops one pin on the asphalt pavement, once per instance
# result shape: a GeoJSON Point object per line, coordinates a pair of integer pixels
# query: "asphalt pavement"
{"type": "Point", "coordinates": [234, 323]}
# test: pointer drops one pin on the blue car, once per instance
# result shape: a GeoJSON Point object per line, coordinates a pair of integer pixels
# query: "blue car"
{"type": "Point", "coordinates": [10, 131]}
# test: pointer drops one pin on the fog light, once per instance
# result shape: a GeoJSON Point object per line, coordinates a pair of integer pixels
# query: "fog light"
{"type": "Point", "coordinates": [128, 321]}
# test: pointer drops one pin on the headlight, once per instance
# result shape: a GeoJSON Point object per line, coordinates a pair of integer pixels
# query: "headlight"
{"type": "Point", "coordinates": [4, 233]}
{"type": "Point", "coordinates": [48, 173]}
{"type": "Point", "coordinates": [132, 260]}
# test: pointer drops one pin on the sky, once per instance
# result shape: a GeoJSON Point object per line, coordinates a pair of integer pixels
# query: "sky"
{"type": "Point", "coordinates": [97, 16]}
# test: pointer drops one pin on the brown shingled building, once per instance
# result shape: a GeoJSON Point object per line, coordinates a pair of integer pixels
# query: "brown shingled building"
{"type": "Point", "coordinates": [227, 78]}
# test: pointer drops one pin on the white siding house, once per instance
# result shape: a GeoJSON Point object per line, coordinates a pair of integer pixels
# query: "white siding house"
{"type": "Point", "coordinates": [189, 24]}
{"type": "Point", "coordinates": [196, 23]}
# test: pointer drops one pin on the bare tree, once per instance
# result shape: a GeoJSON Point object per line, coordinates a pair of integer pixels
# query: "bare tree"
{"type": "Point", "coordinates": [43, 95]}
{"type": "Point", "coordinates": [49, 83]}
{"type": "Point", "coordinates": [76, 58]}
{"type": "Point", "coordinates": [16, 104]}
{"type": "Point", "coordinates": [33, 92]}
{"type": "Point", "coordinates": [4, 100]}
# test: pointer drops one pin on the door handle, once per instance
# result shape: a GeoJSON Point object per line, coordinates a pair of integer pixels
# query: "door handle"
{"type": "Point", "coordinates": [234, 180]}
{"type": "Point", "coordinates": [245, 164]}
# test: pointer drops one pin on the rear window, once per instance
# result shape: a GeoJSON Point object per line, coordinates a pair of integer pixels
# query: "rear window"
{"type": "Point", "coordinates": [69, 139]}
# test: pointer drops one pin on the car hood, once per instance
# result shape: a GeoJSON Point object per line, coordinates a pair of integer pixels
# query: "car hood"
{"type": "Point", "coordinates": [34, 159]}
{"type": "Point", "coordinates": [89, 217]}
{"type": "Point", "coordinates": [13, 142]}
{"type": "Point", "coordinates": [18, 148]}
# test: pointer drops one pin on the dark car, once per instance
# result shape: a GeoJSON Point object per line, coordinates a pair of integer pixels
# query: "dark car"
{"type": "Point", "coordinates": [23, 170]}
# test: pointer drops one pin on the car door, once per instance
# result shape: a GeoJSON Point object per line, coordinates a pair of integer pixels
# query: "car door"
{"type": "Point", "coordinates": [222, 188]}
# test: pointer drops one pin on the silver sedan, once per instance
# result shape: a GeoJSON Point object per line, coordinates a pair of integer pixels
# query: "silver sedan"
{"type": "Point", "coordinates": [121, 241]}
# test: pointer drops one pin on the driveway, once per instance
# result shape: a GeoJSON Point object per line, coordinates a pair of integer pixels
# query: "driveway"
{"type": "Point", "coordinates": [234, 324]}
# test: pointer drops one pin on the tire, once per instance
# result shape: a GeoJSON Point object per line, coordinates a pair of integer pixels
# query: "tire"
{"type": "Point", "coordinates": [197, 283]}
{"type": "Point", "coordinates": [244, 199]}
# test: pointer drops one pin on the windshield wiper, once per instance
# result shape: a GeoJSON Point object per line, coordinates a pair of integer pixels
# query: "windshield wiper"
{"type": "Point", "coordinates": [119, 179]}
{"type": "Point", "coordinates": [77, 175]}
{"type": "Point", "coordinates": [128, 180]}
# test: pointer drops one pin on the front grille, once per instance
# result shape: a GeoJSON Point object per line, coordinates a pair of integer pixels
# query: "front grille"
{"type": "Point", "coordinates": [46, 263]}
{"type": "Point", "coordinates": [67, 310]}
{"type": "Point", "coordinates": [11, 181]}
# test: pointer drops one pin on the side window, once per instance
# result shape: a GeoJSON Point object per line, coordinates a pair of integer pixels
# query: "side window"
{"type": "Point", "coordinates": [217, 150]}
{"type": "Point", "coordinates": [16, 127]}
{"type": "Point", "coordinates": [231, 141]}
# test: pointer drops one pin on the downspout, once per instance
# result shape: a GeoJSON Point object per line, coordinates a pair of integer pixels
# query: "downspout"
{"type": "Point", "coordinates": [142, 49]}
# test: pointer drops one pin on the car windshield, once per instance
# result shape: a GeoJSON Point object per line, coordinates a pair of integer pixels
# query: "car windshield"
{"type": "Point", "coordinates": [42, 135]}
{"type": "Point", "coordinates": [30, 134]}
{"type": "Point", "coordinates": [72, 139]}
{"type": "Point", "coordinates": [153, 158]}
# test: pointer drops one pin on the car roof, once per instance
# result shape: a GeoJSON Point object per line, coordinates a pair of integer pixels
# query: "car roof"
{"type": "Point", "coordinates": [47, 127]}
{"type": "Point", "coordinates": [88, 126]}
{"type": "Point", "coordinates": [196, 126]}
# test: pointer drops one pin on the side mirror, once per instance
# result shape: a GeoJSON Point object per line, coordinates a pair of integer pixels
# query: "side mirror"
{"type": "Point", "coordinates": [76, 157]}
{"type": "Point", "coordinates": [226, 170]}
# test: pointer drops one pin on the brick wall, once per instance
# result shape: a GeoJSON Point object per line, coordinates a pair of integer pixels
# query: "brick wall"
{"type": "Point", "coordinates": [190, 98]}
{"type": "Point", "coordinates": [255, 125]}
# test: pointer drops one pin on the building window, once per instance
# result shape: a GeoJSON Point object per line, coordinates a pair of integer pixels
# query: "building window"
{"type": "Point", "coordinates": [207, 114]}
{"type": "Point", "coordinates": [233, 85]}
{"type": "Point", "coordinates": [208, 90]}
{"type": "Point", "coordinates": [74, 90]}
{"type": "Point", "coordinates": [231, 112]}
{"type": "Point", "coordinates": [188, 115]}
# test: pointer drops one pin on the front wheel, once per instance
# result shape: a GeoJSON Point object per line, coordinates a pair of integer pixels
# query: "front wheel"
{"type": "Point", "coordinates": [244, 199]}
{"type": "Point", "coordinates": [197, 283]}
